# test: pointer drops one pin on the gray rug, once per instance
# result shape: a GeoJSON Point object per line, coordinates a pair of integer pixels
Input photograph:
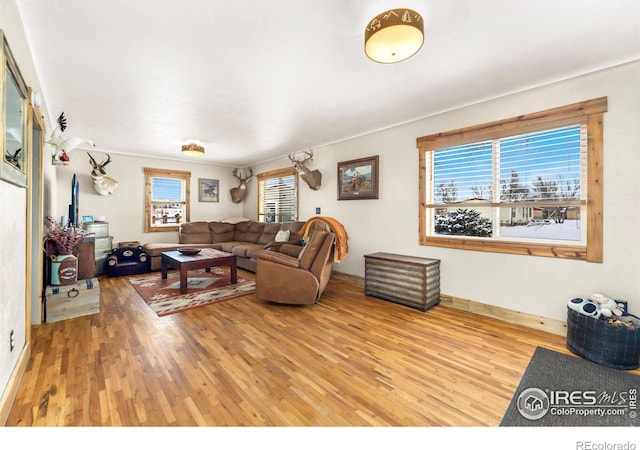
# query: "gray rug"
{"type": "Point", "coordinates": [567, 391]}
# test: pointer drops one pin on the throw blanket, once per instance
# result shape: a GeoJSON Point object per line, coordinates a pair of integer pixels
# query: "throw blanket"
{"type": "Point", "coordinates": [342, 247]}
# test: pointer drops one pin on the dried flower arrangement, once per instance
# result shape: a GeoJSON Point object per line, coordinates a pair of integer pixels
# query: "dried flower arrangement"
{"type": "Point", "coordinates": [65, 238]}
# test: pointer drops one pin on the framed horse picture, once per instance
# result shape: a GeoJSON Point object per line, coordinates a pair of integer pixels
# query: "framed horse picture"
{"type": "Point", "coordinates": [358, 179]}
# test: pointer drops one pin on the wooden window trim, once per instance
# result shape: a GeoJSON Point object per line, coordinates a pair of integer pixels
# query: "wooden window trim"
{"type": "Point", "coordinates": [285, 172]}
{"type": "Point", "coordinates": [590, 112]}
{"type": "Point", "coordinates": [166, 173]}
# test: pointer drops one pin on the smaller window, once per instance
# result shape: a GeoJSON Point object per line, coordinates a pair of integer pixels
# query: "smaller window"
{"type": "Point", "coordinates": [167, 199]}
{"type": "Point", "coordinates": [278, 196]}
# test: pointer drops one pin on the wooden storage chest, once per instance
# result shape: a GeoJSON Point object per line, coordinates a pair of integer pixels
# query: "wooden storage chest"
{"type": "Point", "coordinates": [408, 280]}
{"type": "Point", "coordinates": [66, 302]}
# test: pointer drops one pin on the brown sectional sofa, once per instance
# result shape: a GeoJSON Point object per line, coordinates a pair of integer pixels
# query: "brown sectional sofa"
{"type": "Point", "coordinates": [243, 239]}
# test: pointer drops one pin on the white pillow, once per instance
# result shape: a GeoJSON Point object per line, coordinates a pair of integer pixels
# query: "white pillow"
{"type": "Point", "coordinates": [283, 236]}
{"type": "Point", "coordinates": [234, 220]}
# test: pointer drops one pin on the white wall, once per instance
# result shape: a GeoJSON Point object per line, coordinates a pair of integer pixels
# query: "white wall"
{"type": "Point", "coordinates": [535, 285]}
{"type": "Point", "coordinates": [125, 209]}
{"type": "Point", "coordinates": [13, 259]}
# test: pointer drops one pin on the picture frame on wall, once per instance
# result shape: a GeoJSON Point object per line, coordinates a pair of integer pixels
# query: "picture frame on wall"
{"type": "Point", "coordinates": [208, 190]}
{"type": "Point", "coordinates": [358, 179]}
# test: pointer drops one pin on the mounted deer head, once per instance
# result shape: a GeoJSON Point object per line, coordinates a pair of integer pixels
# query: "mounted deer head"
{"type": "Point", "coordinates": [102, 184]}
{"type": "Point", "coordinates": [237, 193]}
{"type": "Point", "coordinates": [312, 177]}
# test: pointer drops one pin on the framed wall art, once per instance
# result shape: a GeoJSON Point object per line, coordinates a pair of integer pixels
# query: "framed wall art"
{"type": "Point", "coordinates": [208, 190]}
{"type": "Point", "coordinates": [358, 179]}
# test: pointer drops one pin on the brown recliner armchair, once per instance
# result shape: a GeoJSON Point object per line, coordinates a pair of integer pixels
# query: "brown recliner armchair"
{"type": "Point", "coordinates": [283, 278]}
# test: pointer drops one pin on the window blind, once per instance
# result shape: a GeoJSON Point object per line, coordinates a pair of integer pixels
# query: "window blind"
{"type": "Point", "coordinates": [541, 166]}
{"type": "Point", "coordinates": [167, 189]}
{"type": "Point", "coordinates": [277, 196]}
{"type": "Point", "coordinates": [544, 166]}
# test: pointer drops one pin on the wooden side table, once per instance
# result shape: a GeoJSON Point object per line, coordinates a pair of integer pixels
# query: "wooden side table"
{"type": "Point", "coordinates": [408, 280]}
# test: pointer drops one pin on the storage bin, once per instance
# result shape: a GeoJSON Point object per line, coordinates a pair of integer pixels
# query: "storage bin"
{"type": "Point", "coordinates": [101, 263]}
{"type": "Point", "coordinates": [100, 229]}
{"type": "Point", "coordinates": [66, 302]}
{"type": "Point", "coordinates": [408, 280]}
{"type": "Point", "coordinates": [600, 342]}
{"type": "Point", "coordinates": [104, 244]}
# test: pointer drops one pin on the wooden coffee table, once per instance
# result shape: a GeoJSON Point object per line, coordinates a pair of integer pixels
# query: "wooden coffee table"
{"type": "Point", "coordinates": [206, 259]}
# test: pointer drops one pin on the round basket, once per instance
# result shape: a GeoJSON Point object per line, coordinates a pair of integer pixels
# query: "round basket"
{"type": "Point", "coordinates": [598, 341]}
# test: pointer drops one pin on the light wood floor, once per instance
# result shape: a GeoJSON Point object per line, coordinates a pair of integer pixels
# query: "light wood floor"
{"type": "Point", "coordinates": [349, 360]}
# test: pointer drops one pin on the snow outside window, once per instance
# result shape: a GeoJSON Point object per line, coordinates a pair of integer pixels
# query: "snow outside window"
{"type": "Point", "coordinates": [525, 187]}
{"type": "Point", "coordinates": [528, 185]}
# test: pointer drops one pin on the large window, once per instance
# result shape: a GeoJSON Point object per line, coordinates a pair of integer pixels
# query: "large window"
{"type": "Point", "coordinates": [167, 199]}
{"type": "Point", "coordinates": [278, 196]}
{"type": "Point", "coordinates": [526, 185]}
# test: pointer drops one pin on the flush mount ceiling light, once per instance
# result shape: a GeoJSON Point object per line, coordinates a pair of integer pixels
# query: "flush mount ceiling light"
{"type": "Point", "coordinates": [393, 36]}
{"type": "Point", "coordinates": [193, 150]}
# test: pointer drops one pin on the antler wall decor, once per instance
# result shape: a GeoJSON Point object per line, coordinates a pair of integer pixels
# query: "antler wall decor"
{"type": "Point", "coordinates": [238, 193]}
{"type": "Point", "coordinates": [102, 184]}
{"type": "Point", "coordinates": [312, 177]}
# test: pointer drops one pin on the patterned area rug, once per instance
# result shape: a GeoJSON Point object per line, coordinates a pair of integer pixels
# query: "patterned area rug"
{"type": "Point", "coordinates": [163, 296]}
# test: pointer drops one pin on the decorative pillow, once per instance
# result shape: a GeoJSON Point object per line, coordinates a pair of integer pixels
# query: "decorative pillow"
{"type": "Point", "coordinates": [235, 220]}
{"type": "Point", "coordinates": [282, 236]}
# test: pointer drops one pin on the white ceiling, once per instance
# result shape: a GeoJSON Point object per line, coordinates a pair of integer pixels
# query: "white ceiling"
{"type": "Point", "coordinates": [252, 80]}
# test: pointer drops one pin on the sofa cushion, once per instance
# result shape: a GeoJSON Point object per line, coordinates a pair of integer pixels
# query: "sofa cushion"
{"type": "Point", "coordinates": [222, 232]}
{"type": "Point", "coordinates": [310, 251]}
{"type": "Point", "coordinates": [228, 246]}
{"type": "Point", "coordinates": [195, 233]}
{"type": "Point", "coordinates": [247, 250]}
{"type": "Point", "coordinates": [291, 249]}
{"type": "Point", "coordinates": [282, 236]}
{"type": "Point", "coordinates": [293, 228]}
{"type": "Point", "coordinates": [269, 232]}
{"type": "Point", "coordinates": [156, 248]}
{"type": "Point", "coordinates": [248, 231]}
{"type": "Point", "coordinates": [252, 252]}
{"type": "Point", "coordinates": [239, 250]}
{"type": "Point", "coordinates": [241, 231]}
